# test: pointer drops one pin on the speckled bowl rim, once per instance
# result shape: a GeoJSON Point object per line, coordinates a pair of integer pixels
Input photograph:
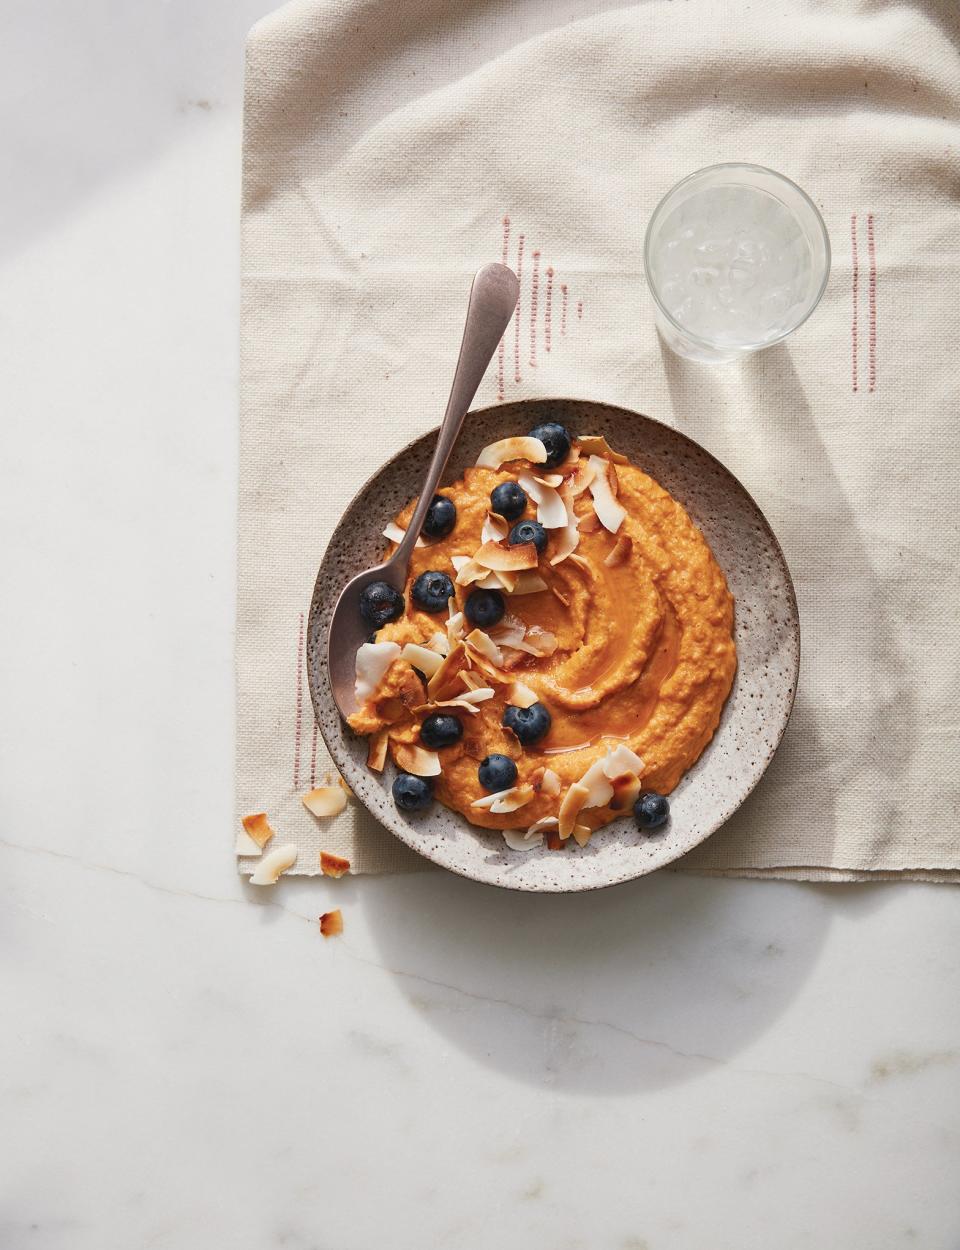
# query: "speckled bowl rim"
{"type": "Point", "coordinates": [335, 732]}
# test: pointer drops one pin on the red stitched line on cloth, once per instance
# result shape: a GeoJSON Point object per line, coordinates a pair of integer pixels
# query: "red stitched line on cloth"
{"type": "Point", "coordinates": [501, 349]}
{"type": "Point", "coordinates": [296, 737]}
{"type": "Point", "coordinates": [534, 293]}
{"type": "Point", "coordinates": [548, 309]}
{"type": "Point", "coordinates": [516, 315]}
{"type": "Point", "coordinates": [579, 309]}
{"type": "Point", "coordinates": [872, 253]}
{"type": "Point", "coordinates": [856, 295]}
{"type": "Point", "coordinates": [313, 757]}
{"type": "Point", "coordinates": [563, 308]}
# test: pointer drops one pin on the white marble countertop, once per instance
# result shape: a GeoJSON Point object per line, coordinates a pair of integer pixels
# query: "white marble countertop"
{"type": "Point", "coordinates": [677, 1064]}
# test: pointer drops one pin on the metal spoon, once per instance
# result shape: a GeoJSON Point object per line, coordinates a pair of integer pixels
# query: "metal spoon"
{"type": "Point", "coordinates": [493, 298]}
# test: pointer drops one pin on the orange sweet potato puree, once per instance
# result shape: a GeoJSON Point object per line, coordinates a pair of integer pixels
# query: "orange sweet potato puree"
{"type": "Point", "coordinates": [645, 652]}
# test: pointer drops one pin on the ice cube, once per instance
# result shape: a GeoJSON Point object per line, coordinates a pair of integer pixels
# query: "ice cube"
{"type": "Point", "coordinates": [704, 275]}
{"type": "Point", "coordinates": [741, 275]}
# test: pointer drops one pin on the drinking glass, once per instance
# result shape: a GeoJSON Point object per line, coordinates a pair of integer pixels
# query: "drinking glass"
{"type": "Point", "coordinates": [736, 257]}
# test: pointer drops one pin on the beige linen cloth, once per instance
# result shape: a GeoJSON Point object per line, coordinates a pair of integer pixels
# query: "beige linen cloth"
{"type": "Point", "coordinates": [391, 148]}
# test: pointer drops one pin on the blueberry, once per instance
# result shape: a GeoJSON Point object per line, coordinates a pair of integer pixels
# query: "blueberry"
{"type": "Point", "coordinates": [440, 731]}
{"type": "Point", "coordinates": [530, 724]}
{"type": "Point", "coordinates": [651, 810]}
{"type": "Point", "coordinates": [529, 532]}
{"type": "Point", "coordinates": [431, 591]}
{"type": "Point", "coordinates": [484, 608]}
{"type": "Point", "coordinates": [379, 603]}
{"type": "Point", "coordinates": [441, 517]}
{"type": "Point", "coordinates": [412, 794]}
{"type": "Point", "coordinates": [497, 772]}
{"type": "Point", "coordinates": [556, 440]}
{"type": "Point", "coordinates": [508, 500]}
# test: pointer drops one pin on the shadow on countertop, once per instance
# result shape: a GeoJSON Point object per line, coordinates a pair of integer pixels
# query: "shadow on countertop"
{"type": "Point", "coordinates": [643, 985]}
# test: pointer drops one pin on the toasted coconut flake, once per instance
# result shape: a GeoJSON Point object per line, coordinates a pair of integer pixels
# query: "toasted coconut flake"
{"type": "Point", "coordinates": [467, 702]}
{"type": "Point", "coordinates": [324, 801]}
{"type": "Point", "coordinates": [538, 641]}
{"type": "Point", "coordinates": [258, 827]}
{"type": "Point", "coordinates": [545, 822]}
{"type": "Point", "coordinates": [416, 759]}
{"type": "Point", "coordinates": [472, 681]}
{"type": "Point", "coordinates": [590, 522]}
{"type": "Point", "coordinates": [483, 643]}
{"type": "Point", "coordinates": [552, 480]}
{"type": "Point", "coordinates": [551, 512]}
{"type": "Point", "coordinates": [568, 543]}
{"type": "Point", "coordinates": [626, 791]}
{"type": "Point", "coordinates": [550, 785]}
{"type": "Point", "coordinates": [531, 838]}
{"type": "Point", "coordinates": [377, 750]}
{"type": "Point", "coordinates": [443, 705]}
{"type": "Point", "coordinates": [437, 684]}
{"type": "Point", "coordinates": [494, 529]}
{"type": "Point", "coordinates": [512, 658]}
{"type": "Point", "coordinates": [505, 801]}
{"type": "Point", "coordinates": [454, 628]}
{"type": "Point", "coordinates": [554, 840]}
{"type": "Point", "coordinates": [611, 514]}
{"type": "Point", "coordinates": [423, 658]}
{"type": "Point", "coordinates": [522, 448]}
{"type": "Point", "coordinates": [620, 759]}
{"type": "Point", "coordinates": [333, 865]}
{"type": "Point", "coordinates": [476, 575]}
{"type": "Point", "coordinates": [582, 564]}
{"type": "Point", "coordinates": [569, 540]}
{"type": "Point", "coordinates": [331, 923]}
{"type": "Point", "coordinates": [439, 642]}
{"type": "Point", "coordinates": [620, 552]}
{"type": "Point", "coordinates": [496, 556]}
{"type": "Point", "coordinates": [528, 583]}
{"type": "Point", "coordinates": [245, 845]}
{"type": "Point", "coordinates": [273, 864]}
{"type": "Point", "coordinates": [488, 800]}
{"type": "Point", "coordinates": [509, 632]}
{"type": "Point", "coordinates": [560, 596]}
{"type": "Point", "coordinates": [580, 479]}
{"type": "Point", "coordinates": [518, 841]}
{"type": "Point", "coordinates": [470, 572]}
{"type": "Point", "coordinates": [479, 694]}
{"type": "Point", "coordinates": [373, 660]}
{"type": "Point", "coordinates": [491, 672]}
{"type": "Point", "coordinates": [573, 801]}
{"type": "Point", "coordinates": [502, 580]}
{"type": "Point", "coordinates": [597, 445]}
{"type": "Point", "coordinates": [396, 534]}
{"type": "Point", "coordinates": [522, 696]}
{"type": "Point", "coordinates": [597, 785]}
{"type": "Point", "coordinates": [582, 834]}
{"type": "Point", "coordinates": [346, 789]}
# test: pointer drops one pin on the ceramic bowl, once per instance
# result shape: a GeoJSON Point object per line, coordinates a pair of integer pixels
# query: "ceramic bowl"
{"type": "Point", "coordinates": [767, 632]}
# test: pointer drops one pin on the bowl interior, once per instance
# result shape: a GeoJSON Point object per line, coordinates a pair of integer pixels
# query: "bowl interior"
{"type": "Point", "coordinates": [767, 634]}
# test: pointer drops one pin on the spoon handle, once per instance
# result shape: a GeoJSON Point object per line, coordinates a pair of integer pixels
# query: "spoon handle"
{"type": "Point", "coordinates": [493, 298]}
